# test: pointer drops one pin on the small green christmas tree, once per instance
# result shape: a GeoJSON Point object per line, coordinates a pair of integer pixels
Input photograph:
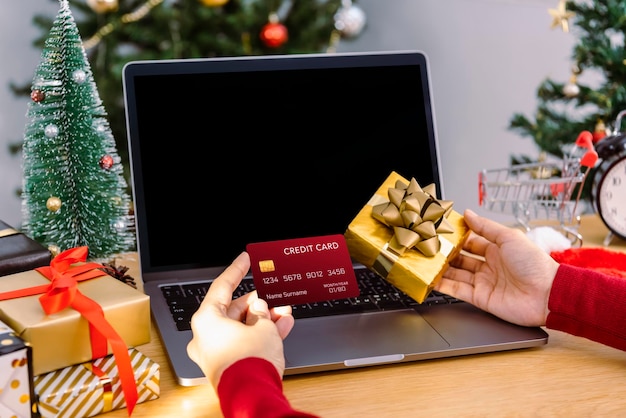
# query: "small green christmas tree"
{"type": "Point", "coordinates": [74, 190]}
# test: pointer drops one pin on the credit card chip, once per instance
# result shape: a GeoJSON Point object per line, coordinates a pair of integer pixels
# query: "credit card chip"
{"type": "Point", "coordinates": [266, 266]}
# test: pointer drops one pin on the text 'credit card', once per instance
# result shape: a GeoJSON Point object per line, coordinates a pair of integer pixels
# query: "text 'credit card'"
{"type": "Point", "coordinates": [302, 270]}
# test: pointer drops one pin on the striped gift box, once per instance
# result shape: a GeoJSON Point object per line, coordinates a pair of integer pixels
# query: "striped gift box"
{"type": "Point", "coordinates": [93, 388]}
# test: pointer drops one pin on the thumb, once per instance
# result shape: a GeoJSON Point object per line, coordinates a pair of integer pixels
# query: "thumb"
{"type": "Point", "coordinates": [257, 309]}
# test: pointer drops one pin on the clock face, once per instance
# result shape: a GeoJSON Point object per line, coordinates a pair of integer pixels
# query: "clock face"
{"type": "Point", "coordinates": [610, 195]}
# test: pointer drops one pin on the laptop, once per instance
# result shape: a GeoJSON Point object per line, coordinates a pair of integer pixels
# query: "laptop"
{"type": "Point", "coordinates": [230, 151]}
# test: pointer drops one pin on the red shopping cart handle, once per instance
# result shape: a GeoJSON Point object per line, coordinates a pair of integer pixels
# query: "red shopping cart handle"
{"type": "Point", "coordinates": [585, 140]}
{"type": "Point", "coordinates": [589, 159]}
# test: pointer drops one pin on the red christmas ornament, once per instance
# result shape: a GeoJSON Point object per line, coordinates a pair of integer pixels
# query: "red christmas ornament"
{"type": "Point", "coordinates": [106, 162]}
{"type": "Point", "coordinates": [37, 95]}
{"type": "Point", "coordinates": [274, 33]}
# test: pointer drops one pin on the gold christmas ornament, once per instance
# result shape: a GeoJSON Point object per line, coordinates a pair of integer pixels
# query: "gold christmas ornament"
{"type": "Point", "coordinates": [53, 204]}
{"type": "Point", "coordinates": [103, 6]}
{"type": "Point", "coordinates": [542, 172]}
{"type": "Point", "coordinates": [560, 16]}
{"type": "Point", "coordinates": [54, 250]}
{"type": "Point", "coordinates": [214, 3]}
{"type": "Point", "coordinates": [599, 131]}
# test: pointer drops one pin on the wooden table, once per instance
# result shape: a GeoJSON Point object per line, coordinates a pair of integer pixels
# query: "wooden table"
{"type": "Point", "coordinates": [569, 377]}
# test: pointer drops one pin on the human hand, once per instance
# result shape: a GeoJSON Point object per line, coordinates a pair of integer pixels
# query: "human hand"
{"type": "Point", "coordinates": [505, 273]}
{"type": "Point", "coordinates": [226, 330]}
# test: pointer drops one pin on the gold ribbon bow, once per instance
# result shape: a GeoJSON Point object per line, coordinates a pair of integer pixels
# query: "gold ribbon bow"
{"type": "Point", "coordinates": [416, 216]}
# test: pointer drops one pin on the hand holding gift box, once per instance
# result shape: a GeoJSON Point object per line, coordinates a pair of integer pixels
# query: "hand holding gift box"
{"type": "Point", "coordinates": [406, 235]}
{"type": "Point", "coordinates": [106, 316]}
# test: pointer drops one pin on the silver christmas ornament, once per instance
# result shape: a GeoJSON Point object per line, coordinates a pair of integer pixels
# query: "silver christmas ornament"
{"type": "Point", "coordinates": [51, 131]}
{"type": "Point", "coordinates": [349, 19]}
{"type": "Point", "coordinates": [119, 225]}
{"type": "Point", "coordinates": [79, 76]}
{"type": "Point", "coordinates": [571, 89]}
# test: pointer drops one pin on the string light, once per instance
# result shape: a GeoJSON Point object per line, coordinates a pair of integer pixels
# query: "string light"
{"type": "Point", "coordinates": [131, 17]}
{"type": "Point", "coordinates": [144, 9]}
{"type": "Point", "coordinates": [335, 37]}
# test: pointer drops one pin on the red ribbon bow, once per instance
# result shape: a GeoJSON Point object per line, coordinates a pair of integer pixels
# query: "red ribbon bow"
{"type": "Point", "coordinates": [62, 292]}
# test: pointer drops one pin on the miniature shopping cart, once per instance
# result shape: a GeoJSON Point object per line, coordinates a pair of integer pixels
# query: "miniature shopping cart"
{"type": "Point", "coordinates": [542, 191]}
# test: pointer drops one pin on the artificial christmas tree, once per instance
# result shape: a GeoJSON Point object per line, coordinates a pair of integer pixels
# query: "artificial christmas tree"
{"type": "Point", "coordinates": [74, 191]}
{"type": "Point", "coordinates": [570, 107]}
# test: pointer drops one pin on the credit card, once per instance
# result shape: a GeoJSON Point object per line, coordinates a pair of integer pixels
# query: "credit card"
{"type": "Point", "coordinates": [302, 270]}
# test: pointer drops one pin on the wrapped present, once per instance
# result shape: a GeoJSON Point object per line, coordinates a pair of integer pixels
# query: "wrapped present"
{"type": "Point", "coordinates": [20, 253]}
{"type": "Point", "coordinates": [72, 312]}
{"type": "Point", "coordinates": [17, 396]}
{"type": "Point", "coordinates": [92, 388]}
{"type": "Point", "coordinates": [64, 310]}
{"type": "Point", "coordinates": [406, 235]}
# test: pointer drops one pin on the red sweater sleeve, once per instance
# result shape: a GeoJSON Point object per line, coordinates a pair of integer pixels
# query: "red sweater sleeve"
{"type": "Point", "coordinates": [252, 387]}
{"type": "Point", "coordinates": [589, 304]}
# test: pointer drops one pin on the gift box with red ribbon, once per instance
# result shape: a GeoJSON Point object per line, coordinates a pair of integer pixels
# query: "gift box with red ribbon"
{"type": "Point", "coordinates": [17, 396]}
{"type": "Point", "coordinates": [72, 312]}
{"type": "Point", "coordinates": [93, 388]}
{"type": "Point", "coordinates": [406, 235]}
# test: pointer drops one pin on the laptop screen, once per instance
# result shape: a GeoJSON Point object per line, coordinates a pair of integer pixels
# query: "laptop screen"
{"type": "Point", "coordinates": [229, 151]}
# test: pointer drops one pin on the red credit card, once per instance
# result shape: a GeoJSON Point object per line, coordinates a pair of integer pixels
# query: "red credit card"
{"type": "Point", "coordinates": [302, 270]}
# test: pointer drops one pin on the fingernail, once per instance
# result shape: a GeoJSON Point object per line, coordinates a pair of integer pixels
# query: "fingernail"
{"type": "Point", "coordinates": [259, 306]}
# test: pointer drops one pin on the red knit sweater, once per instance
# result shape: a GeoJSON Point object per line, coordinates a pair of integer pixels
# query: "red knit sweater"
{"type": "Point", "coordinates": [589, 304]}
{"type": "Point", "coordinates": [582, 302]}
{"type": "Point", "coordinates": [252, 388]}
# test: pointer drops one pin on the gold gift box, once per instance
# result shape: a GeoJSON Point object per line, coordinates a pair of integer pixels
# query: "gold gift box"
{"type": "Point", "coordinates": [62, 339]}
{"type": "Point", "coordinates": [412, 272]}
{"type": "Point", "coordinates": [77, 391]}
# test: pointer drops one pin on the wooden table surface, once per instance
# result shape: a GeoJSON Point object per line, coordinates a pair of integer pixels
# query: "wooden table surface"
{"type": "Point", "coordinates": [569, 377]}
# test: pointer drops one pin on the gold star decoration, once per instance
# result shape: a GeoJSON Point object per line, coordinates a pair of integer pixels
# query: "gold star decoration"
{"type": "Point", "coordinates": [560, 16]}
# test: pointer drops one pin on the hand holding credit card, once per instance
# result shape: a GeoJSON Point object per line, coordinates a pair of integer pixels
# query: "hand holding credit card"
{"type": "Point", "coordinates": [302, 270]}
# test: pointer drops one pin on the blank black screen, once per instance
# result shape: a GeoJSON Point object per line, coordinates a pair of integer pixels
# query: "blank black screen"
{"type": "Point", "coordinates": [225, 153]}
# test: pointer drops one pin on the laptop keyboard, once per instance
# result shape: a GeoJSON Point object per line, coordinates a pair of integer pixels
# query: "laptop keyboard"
{"type": "Point", "coordinates": [376, 295]}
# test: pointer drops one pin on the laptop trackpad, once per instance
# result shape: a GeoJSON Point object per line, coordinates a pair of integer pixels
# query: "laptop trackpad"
{"type": "Point", "coordinates": [363, 339]}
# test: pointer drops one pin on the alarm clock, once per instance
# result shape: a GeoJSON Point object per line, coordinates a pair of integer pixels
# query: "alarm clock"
{"type": "Point", "coordinates": [608, 190]}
